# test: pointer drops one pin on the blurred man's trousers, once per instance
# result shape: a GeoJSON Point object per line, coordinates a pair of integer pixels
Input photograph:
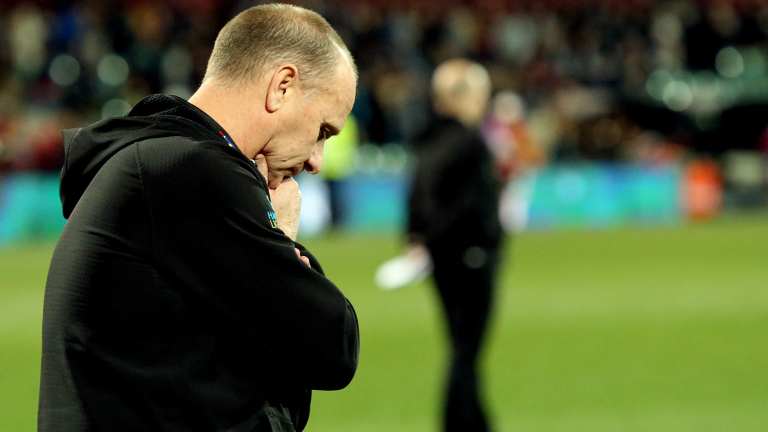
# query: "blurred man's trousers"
{"type": "Point", "coordinates": [465, 278]}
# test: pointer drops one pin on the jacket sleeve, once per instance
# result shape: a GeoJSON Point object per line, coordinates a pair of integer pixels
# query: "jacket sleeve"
{"type": "Point", "coordinates": [213, 235]}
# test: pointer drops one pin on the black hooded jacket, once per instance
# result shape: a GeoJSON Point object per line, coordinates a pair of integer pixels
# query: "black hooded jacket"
{"type": "Point", "coordinates": [173, 303]}
{"type": "Point", "coordinates": [453, 200]}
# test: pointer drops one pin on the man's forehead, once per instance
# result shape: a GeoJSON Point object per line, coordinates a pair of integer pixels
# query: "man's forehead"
{"type": "Point", "coordinates": [343, 92]}
{"type": "Point", "coordinates": [345, 83]}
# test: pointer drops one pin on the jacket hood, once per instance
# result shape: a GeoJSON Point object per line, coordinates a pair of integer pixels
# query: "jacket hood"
{"type": "Point", "coordinates": [87, 149]}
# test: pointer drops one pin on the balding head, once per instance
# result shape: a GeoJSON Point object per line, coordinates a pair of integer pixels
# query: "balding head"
{"type": "Point", "coordinates": [461, 89]}
{"type": "Point", "coordinates": [280, 81]}
{"type": "Point", "coordinates": [263, 36]}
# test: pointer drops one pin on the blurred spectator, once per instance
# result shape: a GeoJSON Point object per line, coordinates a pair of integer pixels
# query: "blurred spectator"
{"type": "Point", "coordinates": [665, 70]}
{"type": "Point", "coordinates": [508, 137]}
{"type": "Point", "coordinates": [338, 164]}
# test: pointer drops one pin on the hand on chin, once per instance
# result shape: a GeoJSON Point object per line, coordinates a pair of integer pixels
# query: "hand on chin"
{"type": "Point", "coordinates": [273, 178]}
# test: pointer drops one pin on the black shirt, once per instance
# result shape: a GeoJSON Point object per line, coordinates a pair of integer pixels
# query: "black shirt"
{"type": "Point", "coordinates": [172, 302]}
{"type": "Point", "coordinates": [453, 199]}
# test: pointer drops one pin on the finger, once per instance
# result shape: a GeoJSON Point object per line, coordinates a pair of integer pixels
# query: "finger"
{"type": "Point", "coordinates": [261, 165]}
{"type": "Point", "coordinates": [303, 259]}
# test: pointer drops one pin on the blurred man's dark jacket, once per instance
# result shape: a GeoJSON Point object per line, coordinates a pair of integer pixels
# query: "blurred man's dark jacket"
{"type": "Point", "coordinates": [173, 302]}
{"type": "Point", "coordinates": [454, 194]}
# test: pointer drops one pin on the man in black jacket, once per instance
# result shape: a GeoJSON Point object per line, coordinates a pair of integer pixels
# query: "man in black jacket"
{"type": "Point", "coordinates": [177, 298]}
{"type": "Point", "coordinates": [453, 211]}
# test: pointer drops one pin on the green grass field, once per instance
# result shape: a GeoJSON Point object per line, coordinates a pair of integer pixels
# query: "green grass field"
{"type": "Point", "coordinates": [652, 329]}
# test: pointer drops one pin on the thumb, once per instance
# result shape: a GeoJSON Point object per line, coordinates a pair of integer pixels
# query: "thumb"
{"type": "Point", "coordinates": [261, 165]}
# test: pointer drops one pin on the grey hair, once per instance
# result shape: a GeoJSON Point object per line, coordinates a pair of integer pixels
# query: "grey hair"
{"type": "Point", "coordinates": [266, 35]}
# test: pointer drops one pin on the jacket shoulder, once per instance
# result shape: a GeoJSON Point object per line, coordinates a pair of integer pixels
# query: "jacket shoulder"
{"type": "Point", "coordinates": [180, 155]}
{"type": "Point", "coordinates": [183, 175]}
{"type": "Point", "coordinates": [179, 148]}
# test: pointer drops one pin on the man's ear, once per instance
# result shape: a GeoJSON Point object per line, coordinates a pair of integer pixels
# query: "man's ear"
{"type": "Point", "coordinates": [283, 82]}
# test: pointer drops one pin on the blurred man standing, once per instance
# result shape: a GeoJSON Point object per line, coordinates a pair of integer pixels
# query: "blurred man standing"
{"type": "Point", "coordinates": [453, 211]}
{"type": "Point", "coordinates": [177, 298]}
{"type": "Point", "coordinates": [339, 163]}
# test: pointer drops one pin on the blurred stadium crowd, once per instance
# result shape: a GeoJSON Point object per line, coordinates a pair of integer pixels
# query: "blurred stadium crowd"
{"type": "Point", "coordinates": [608, 80]}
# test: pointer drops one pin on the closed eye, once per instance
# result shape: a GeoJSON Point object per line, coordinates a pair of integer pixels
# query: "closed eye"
{"type": "Point", "coordinates": [327, 130]}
